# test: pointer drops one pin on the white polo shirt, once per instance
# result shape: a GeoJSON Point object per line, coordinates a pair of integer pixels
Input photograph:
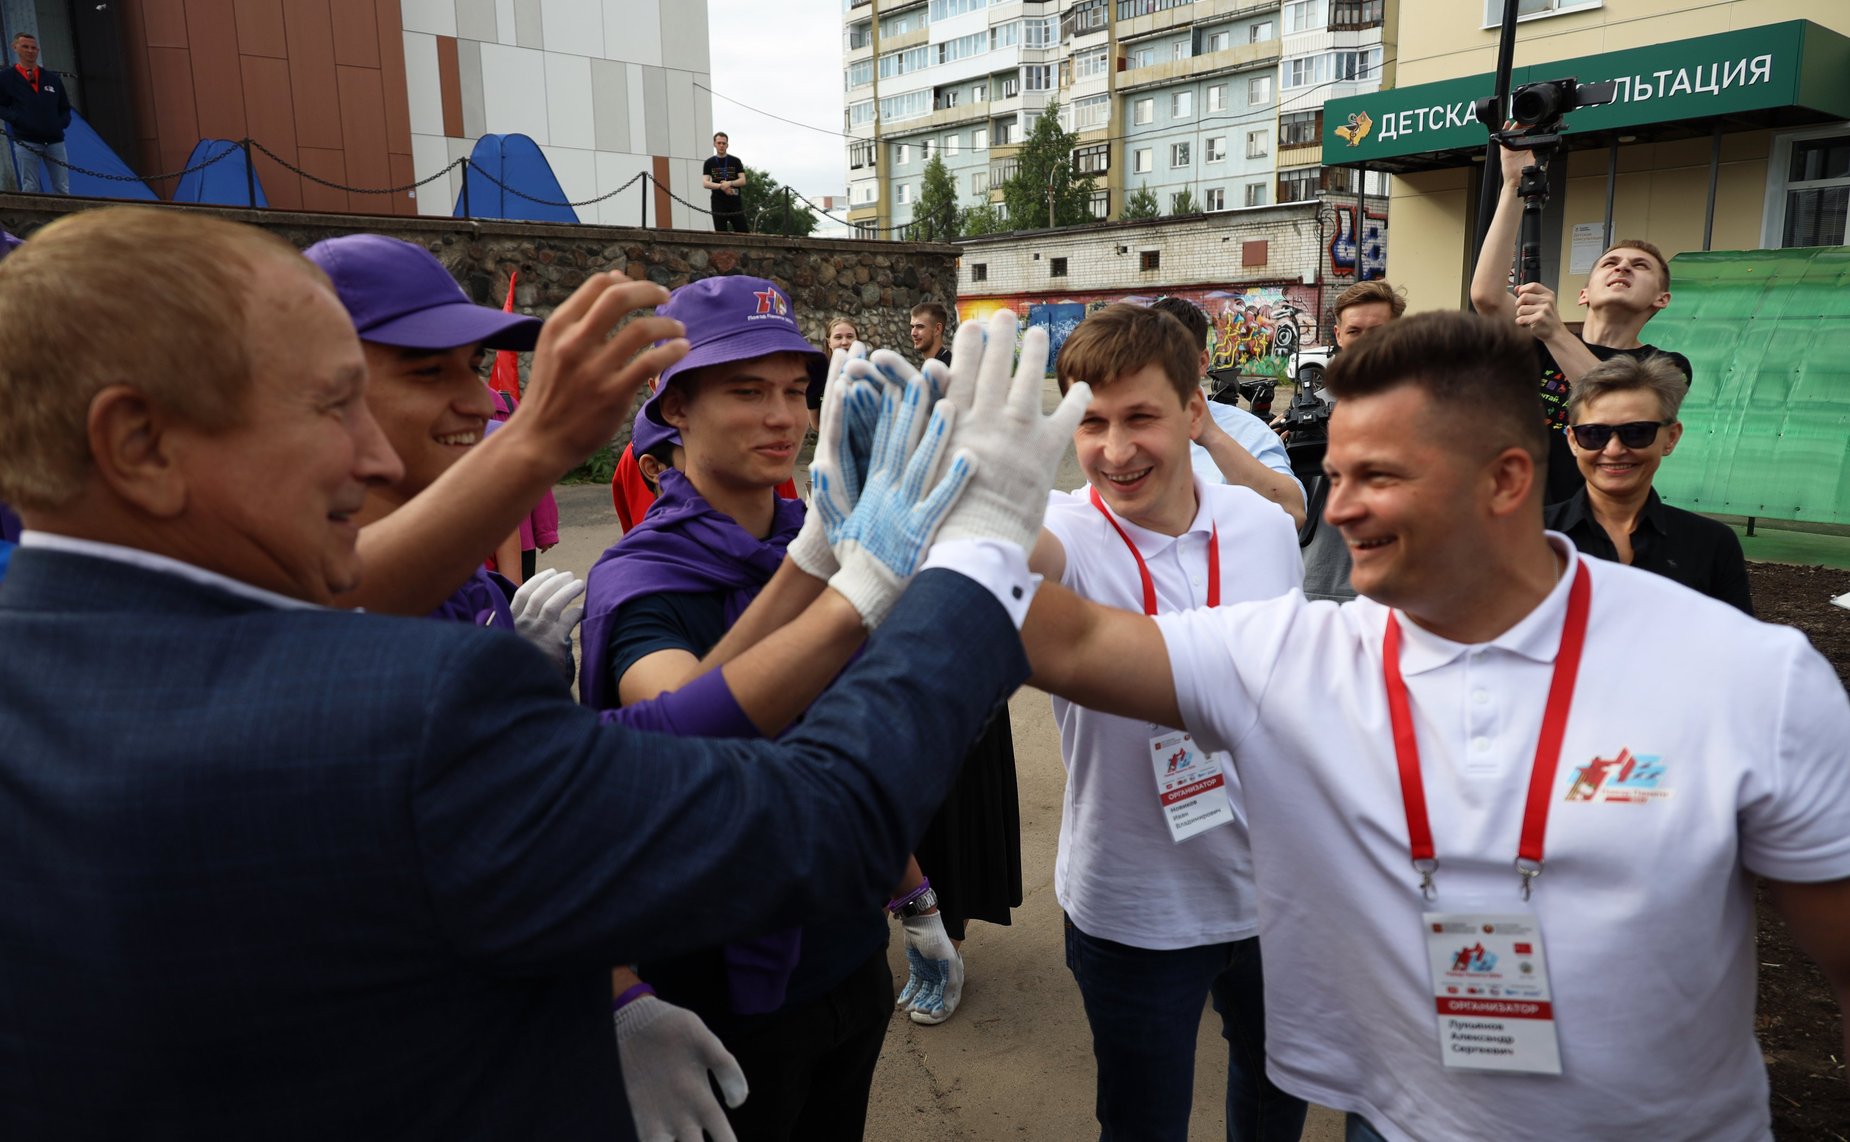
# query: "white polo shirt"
{"type": "Point", "coordinates": [1646, 905]}
{"type": "Point", "coordinates": [1119, 875]}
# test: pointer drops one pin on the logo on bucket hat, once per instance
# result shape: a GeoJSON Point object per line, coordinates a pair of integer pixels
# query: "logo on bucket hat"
{"type": "Point", "coordinates": [731, 319]}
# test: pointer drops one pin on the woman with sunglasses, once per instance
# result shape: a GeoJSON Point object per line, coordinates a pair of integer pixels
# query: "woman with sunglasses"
{"type": "Point", "coordinates": [1622, 422]}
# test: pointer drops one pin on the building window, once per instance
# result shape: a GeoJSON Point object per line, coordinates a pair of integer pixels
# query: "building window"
{"type": "Point", "coordinates": [1148, 260]}
{"type": "Point", "coordinates": [860, 114]}
{"type": "Point", "coordinates": [1129, 8]}
{"type": "Point", "coordinates": [1255, 194]}
{"type": "Point", "coordinates": [1143, 57]}
{"type": "Point", "coordinates": [1493, 9]}
{"type": "Point", "coordinates": [1093, 159]}
{"type": "Point", "coordinates": [1306, 71]}
{"type": "Point", "coordinates": [1005, 132]}
{"type": "Point", "coordinates": [1311, 15]}
{"type": "Point", "coordinates": [1217, 98]}
{"type": "Point", "coordinates": [1258, 144]}
{"type": "Point", "coordinates": [1362, 64]}
{"type": "Point", "coordinates": [945, 9]}
{"type": "Point", "coordinates": [1100, 204]}
{"type": "Point", "coordinates": [1182, 105]}
{"type": "Point", "coordinates": [1259, 90]}
{"type": "Point", "coordinates": [909, 21]}
{"type": "Point", "coordinates": [1262, 31]}
{"type": "Point", "coordinates": [1816, 200]}
{"type": "Point", "coordinates": [905, 62]}
{"type": "Point", "coordinates": [979, 182]}
{"type": "Point", "coordinates": [860, 155]}
{"type": "Point", "coordinates": [912, 105]}
{"type": "Point", "coordinates": [1001, 172]}
{"type": "Point", "coordinates": [1178, 155]}
{"type": "Point", "coordinates": [1086, 16]}
{"type": "Point", "coordinates": [905, 194]}
{"type": "Point", "coordinates": [1217, 149]}
{"type": "Point", "coordinates": [1142, 160]}
{"type": "Point", "coordinates": [1359, 15]}
{"type": "Point", "coordinates": [1091, 112]}
{"type": "Point", "coordinates": [860, 74]}
{"type": "Point", "coordinates": [979, 272]}
{"type": "Point", "coordinates": [1216, 198]}
{"type": "Point", "coordinates": [1037, 77]}
{"type": "Point", "coordinates": [1183, 49]}
{"type": "Point", "coordinates": [1011, 87]}
{"type": "Point", "coordinates": [1040, 32]}
{"type": "Point", "coordinates": [979, 139]}
{"type": "Point", "coordinates": [1219, 42]}
{"type": "Point", "coordinates": [1091, 64]}
{"type": "Point", "coordinates": [902, 154]}
{"type": "Point", "coordinates": [1297, 185]}
{"type": "Point", "coordinates": [925, 149]}
{"type": "Point", "coordinates": [1298, 128]}
{"type": "Point", "coordinates": [1056, 267]}
{"type": "Point", "coordinates": [951, 145]}
{"type": "Point", "coordinates": [1143, 111]}
{"type": "Point", "coordinates": [860, 35]}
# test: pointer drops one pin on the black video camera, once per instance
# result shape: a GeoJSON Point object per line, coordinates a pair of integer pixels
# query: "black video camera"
{"type": "Point", "coordinates": [1537, 108]}
{"type": "Point", "coordinates": [1307, 420]}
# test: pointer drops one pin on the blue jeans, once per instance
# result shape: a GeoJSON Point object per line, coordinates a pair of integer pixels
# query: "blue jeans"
{"type": "Point", "coordinates": [1144, 1007]}
{"type": "Point", "coordinates": [26, 156]}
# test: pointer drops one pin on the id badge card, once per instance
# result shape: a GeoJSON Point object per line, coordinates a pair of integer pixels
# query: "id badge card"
{"type": "Point", "coordinates": [1490, 983]}
{"type": "Point", "coordinates": [1191, 787]}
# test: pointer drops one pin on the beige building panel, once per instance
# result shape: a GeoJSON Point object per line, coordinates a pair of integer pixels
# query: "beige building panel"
{"type": "Point", "coordinates": [1429, 211]}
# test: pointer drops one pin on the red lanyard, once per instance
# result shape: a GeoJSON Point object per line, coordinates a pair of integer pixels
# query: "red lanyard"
{"type": "Point", "coordinates": [1547, 746]}
{"type": "Point", "coordinates": [1143, 569]}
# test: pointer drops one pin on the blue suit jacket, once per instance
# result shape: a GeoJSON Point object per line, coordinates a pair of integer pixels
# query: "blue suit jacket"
{"type": "Point", "coordinates": [309, 874]}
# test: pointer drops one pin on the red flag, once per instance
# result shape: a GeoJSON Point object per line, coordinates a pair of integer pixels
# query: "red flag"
{"type": "Point", "coordinates": [506, 376]}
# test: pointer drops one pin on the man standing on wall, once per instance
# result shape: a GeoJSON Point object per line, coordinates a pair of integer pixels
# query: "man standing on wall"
{"type": "Point", "coordinates": [36, 112]}
{"type": "Point", "coordinates": [724, 175]}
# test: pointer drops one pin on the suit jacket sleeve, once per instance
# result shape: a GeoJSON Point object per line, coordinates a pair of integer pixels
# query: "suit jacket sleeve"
{"type": "Point", "coordinates": [549, 839]}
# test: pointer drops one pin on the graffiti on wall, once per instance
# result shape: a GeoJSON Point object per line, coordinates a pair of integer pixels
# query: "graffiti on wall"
{"type": "Point", "coordinates": [1365, 259]}
{"type": "Point", "coordinates": [1245, 324]}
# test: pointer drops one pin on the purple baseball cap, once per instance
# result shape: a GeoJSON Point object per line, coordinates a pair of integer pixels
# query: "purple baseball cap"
{"type": "Point", "coordinates": [399, 294]}
{"type": "Point", "coordinates": [731, 319]}
{"type": "Point", "coordinates": [646, 434]}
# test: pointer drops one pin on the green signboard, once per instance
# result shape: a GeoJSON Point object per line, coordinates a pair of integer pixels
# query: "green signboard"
{"type": "Point", "coordinates": [1766, 426]}
{"type": "Point", "coordinates": [1796, 63]}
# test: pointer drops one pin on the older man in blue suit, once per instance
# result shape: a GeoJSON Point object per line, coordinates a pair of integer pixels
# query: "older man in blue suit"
{"type": "Point", "coordinates": [271, 870]}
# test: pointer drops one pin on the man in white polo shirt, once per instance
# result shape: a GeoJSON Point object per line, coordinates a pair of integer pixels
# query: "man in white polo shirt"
{"type": "Point", "coordinates": [1505, 857]}
{"type": "Point", "coordinates": [1154, 868]}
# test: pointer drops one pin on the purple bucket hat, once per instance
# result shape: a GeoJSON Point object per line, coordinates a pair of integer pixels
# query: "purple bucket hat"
{"type": "Point", "coordinates": [400, 295]}
{"type": "Point", "coordinates": [732, 319]}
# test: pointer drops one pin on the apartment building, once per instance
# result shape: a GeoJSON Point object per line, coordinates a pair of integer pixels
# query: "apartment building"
{"type": "Point", "coordinates": [1179, 98]}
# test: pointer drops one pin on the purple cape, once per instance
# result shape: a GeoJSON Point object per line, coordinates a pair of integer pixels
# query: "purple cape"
{"type": "Point", "coordinates": [687, 545]}
{"type": "Point", "coordinates": [683, 545]}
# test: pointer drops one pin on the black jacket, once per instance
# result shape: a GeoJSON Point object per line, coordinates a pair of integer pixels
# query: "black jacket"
{"type": "Point", "coordinates": [34, 116]}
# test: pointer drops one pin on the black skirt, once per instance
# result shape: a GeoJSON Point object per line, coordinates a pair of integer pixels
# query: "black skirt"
{"type": "Point", "coordinates": [972, 848]}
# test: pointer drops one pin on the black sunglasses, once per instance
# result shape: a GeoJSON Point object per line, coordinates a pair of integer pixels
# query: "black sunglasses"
{"type": "Point", "coordinates": [1637, 434]}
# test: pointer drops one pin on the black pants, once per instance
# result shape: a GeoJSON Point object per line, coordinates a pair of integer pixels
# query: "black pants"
{"type": "Point", "coordinates": [733, 220]}
{"type": "Point", "coordinates": [811, 1065]}
{"type": "Point", "coordinates": [529, 561]}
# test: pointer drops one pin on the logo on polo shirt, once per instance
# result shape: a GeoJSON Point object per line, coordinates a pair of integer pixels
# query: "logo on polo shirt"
{"type": "Point", "coordinates": [1629, 778]}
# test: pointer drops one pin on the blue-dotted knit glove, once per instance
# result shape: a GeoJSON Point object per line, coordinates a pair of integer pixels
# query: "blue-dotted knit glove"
{"type": "Point", "coordinates": [881, 543]}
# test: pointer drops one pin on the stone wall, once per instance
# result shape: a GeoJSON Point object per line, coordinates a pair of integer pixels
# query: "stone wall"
{"type": "Point", "coordinates": [874, 283]}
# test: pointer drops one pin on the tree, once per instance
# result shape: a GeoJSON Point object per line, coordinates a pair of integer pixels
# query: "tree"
{"type": "Point", "coordinates": [981, 219]}
{"type": "Point", "coordinates": [769, 211]}
{"type": "Point", "coordinates": [934, 218]}
{"type": "Point", "coordinates": [1046, 160]}
{"type": "Point", "coordinates": [1183, 202]}
{"type": "Point", "coordinates": [1141, 206]}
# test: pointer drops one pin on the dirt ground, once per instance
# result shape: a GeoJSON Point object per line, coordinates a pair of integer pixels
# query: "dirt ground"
{"type": "Point", "coordinates": [1798, 1019]}
{"type": "Point", "coordinates": [1015, 1062]}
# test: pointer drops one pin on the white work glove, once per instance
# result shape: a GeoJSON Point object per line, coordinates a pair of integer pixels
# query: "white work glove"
{"type": "Point", "coordinates": [844, 440]}
{"type": "Point", "coordinates": [939, 967]}
{"type": "Point", "coordinates": [544, 614]}
{"type": "Point", "coordinates": [667, 1052]}
{"type": "Point", "coordinates": [882, 540]}
{"type": "Point", "coordinates": [999, 421]}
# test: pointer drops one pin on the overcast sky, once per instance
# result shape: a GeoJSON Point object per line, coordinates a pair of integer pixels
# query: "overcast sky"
{"type": "Point", "coordinates": [783, 56]}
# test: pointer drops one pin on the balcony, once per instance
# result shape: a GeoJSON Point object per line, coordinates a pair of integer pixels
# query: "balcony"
{"type": "Point", "coordinates": [1241, 58]}
{"type": "Point", "coordinates": [1200, 12]}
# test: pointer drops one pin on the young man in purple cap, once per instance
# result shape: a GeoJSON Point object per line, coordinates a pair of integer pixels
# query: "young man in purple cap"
{"type": "Point", "coordinates": [424, 342]}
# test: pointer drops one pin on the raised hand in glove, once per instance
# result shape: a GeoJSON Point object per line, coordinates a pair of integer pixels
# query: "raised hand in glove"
{"type": "Point", "coordinates": [999, 422]}
{"type": "Point", "coordinates": [844, 441]}
{"type": "Point", "coordinates": [882, 541]}
{"type": "Point", "coordinates": [544, 614]}
{"type": "Point", "coordinates": [941, 969]}
{"type": "Point", "coordinates": [667, 1053]}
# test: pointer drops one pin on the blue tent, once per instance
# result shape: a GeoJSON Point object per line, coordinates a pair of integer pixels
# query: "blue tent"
{"type": "Point", "coordinates": [516, 161]}
{"type": "Point", "coordinates": [221, 184]}
{"type": "Point", "coordinates": [85, 148]}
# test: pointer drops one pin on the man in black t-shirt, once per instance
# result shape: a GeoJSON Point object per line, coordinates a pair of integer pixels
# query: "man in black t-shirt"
{"type": "Point", "coordinates": [1627, 286]}
{"type": "Point", "coordinates": [724, 175]}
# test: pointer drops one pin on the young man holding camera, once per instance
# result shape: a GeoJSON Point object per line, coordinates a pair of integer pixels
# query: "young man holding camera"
{"type": "Point", "coordinates": [1627, 286]}
{"type": "Point", "coordinates": [1154, 869]}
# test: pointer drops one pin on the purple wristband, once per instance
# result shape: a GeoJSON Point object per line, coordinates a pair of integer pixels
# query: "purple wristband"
{"type": "Point", "coordinates": [630, 996]}
{"type": "Point", "coordinates": [901, 902]}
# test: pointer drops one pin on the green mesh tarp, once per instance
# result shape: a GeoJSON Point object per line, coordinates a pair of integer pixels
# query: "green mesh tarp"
{"type": "Point", "coordinates": [1767, 422]}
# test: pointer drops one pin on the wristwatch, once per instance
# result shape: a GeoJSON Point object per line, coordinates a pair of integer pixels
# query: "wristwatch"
{"type": "Point", "coordinates": [917, 906]}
